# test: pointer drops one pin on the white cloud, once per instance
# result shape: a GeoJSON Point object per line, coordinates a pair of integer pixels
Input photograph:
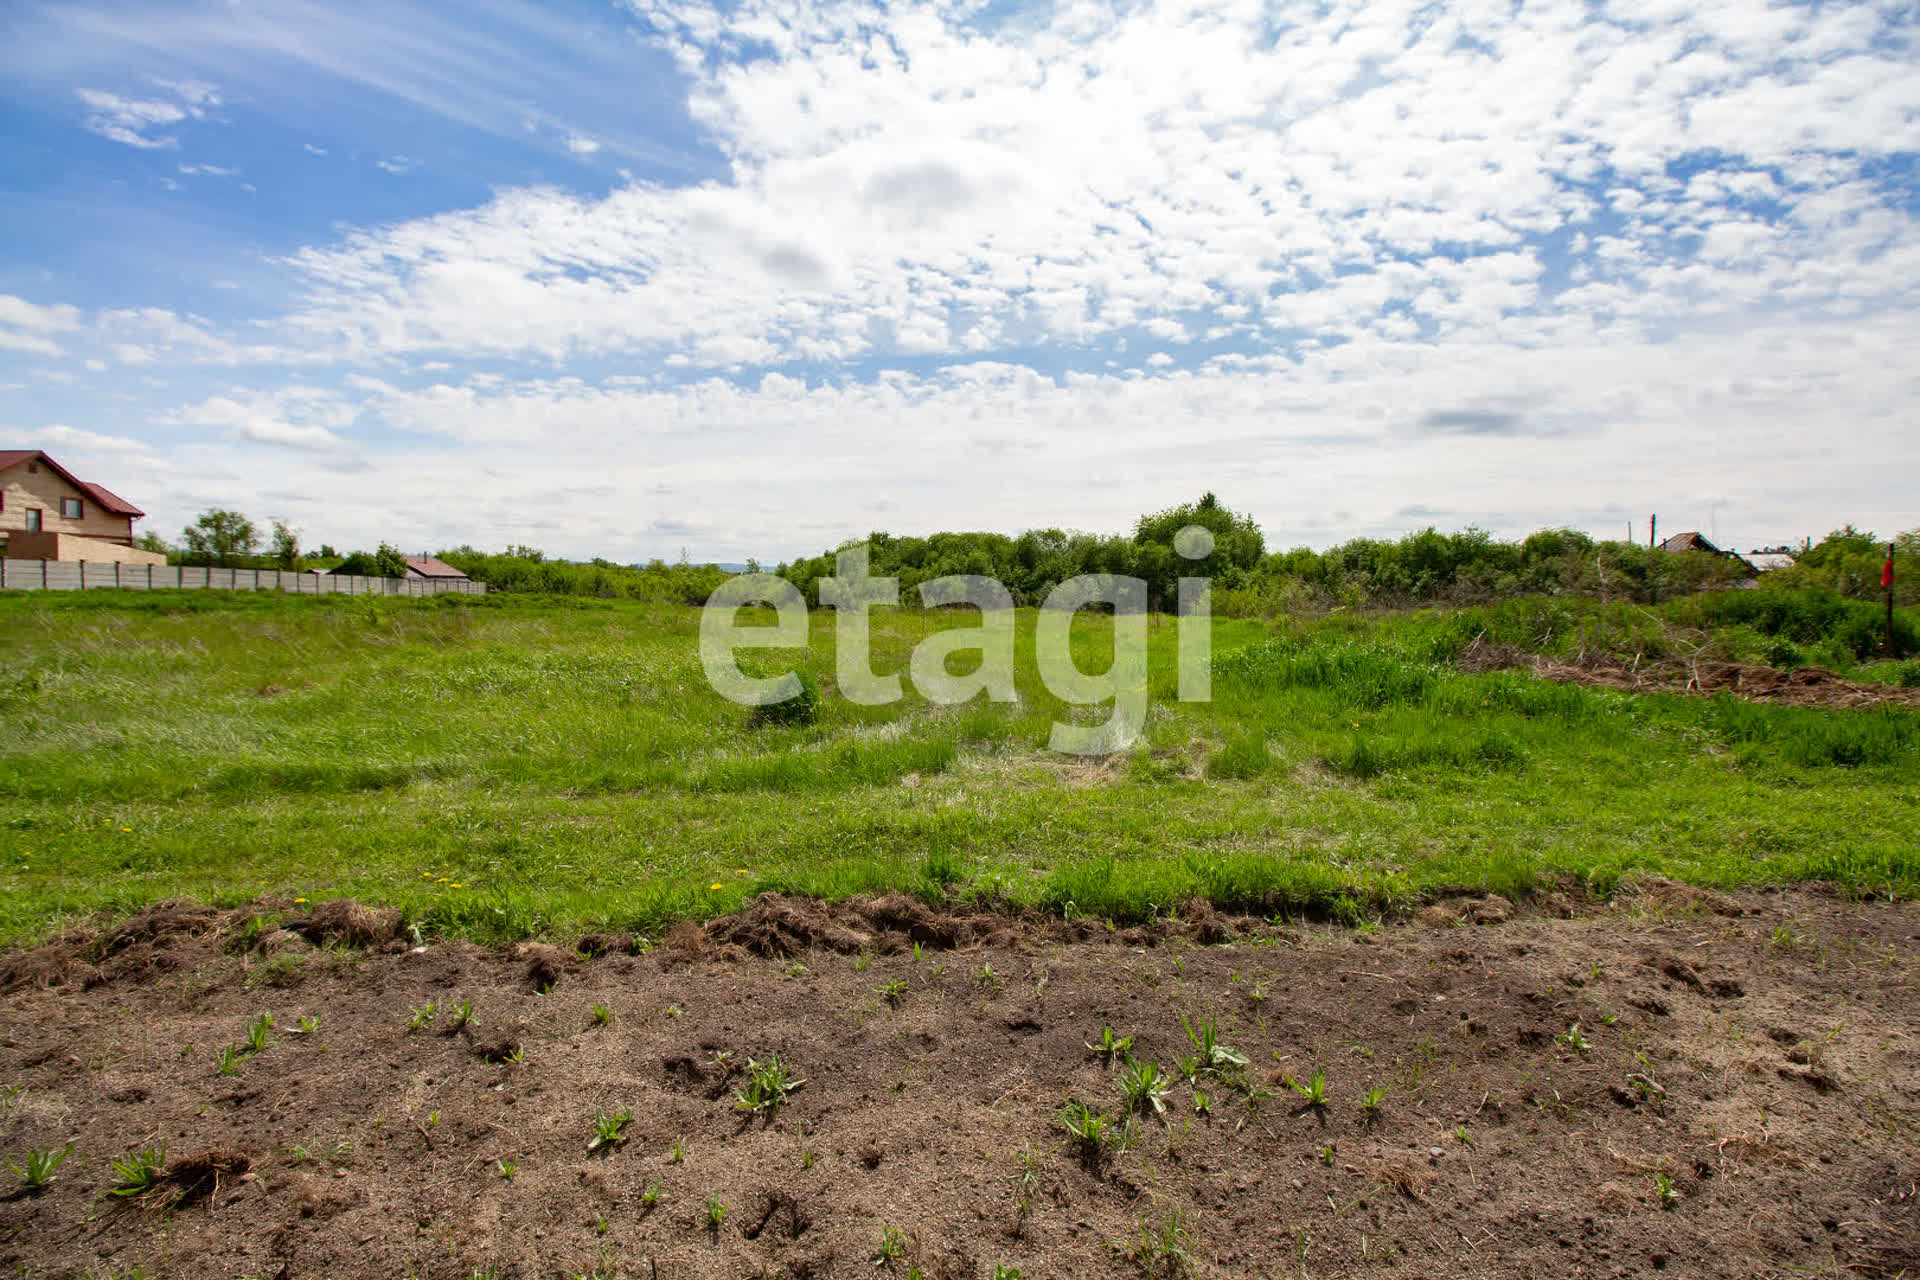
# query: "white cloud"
{"type": "Point", "coordinates": [77, 441]}
{"type": "Point", "coordinates": [24, 326]}
{"type": "Point", "coordinates": [290, 417]}
{"type": "Point", "coordinates": [395, 164]}
{"type": "Point", "coordinates": [137, 122]}
{"type": "Point", "coordinates": [1071, 180]}
{"type": "Point", "coordinates": [581, 146]}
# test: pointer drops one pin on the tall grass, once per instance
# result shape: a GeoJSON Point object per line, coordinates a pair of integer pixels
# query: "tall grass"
{"type": "Point", "coordinates": [508, 766]}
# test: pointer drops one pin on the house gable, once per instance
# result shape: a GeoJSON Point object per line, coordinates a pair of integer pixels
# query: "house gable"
{"type": "Point", "coordinates": [38, 494]}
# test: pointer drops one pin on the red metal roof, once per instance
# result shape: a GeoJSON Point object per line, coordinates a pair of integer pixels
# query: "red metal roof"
{"type": "Point", "coordinates": [106, 498]}
{"type": "Point", "coordinates": [428, 567]}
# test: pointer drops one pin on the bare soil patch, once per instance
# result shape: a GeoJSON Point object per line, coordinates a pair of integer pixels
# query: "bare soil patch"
{"type": "Point", "coordinates": [1759, 1051]}
{"type": "Point", "coordinates": [1800, 687]}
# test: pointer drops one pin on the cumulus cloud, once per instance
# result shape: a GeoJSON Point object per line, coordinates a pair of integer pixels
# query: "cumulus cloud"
{"type": "Point", "coordinates": [912, 183]}
{"type": "Point", "coordinates": [291, 417]}
{"type": "Point", "coordinates": [25, 326]}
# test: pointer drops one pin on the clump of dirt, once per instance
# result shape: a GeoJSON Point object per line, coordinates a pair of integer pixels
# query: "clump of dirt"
{"type": "Point", "coordinates": [198, 1177]}
{"type": "Point", "coordinates": [545, 965]}
{"type": "Point", "coordinates": [346, 922]}
{"type": "Point", "coordinates": [1800, 687]}
{"type": "Point", "coordinates": [1672, 1082]}
{"type": "Point", "coordinates": [777, 926]}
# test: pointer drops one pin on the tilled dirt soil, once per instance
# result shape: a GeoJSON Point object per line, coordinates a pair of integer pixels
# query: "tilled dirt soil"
{"type": "Point", "coordinates": [1800, 687]}
{"type": "Point", "coordinates": [1761, 1052]}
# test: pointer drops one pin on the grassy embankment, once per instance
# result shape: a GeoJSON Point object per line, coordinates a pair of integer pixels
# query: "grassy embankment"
{"type": "Point", "coordinates": [503, 767]}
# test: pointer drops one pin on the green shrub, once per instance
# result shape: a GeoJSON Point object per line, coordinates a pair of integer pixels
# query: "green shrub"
{"type": "Point", "coordinates": [802, 708]}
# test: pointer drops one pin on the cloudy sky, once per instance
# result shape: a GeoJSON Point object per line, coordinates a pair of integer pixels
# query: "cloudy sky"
{"type": "Point", "coordinates": [624, 279]}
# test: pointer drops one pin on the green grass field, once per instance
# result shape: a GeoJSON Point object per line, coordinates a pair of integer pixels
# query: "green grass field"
{"type": "Point", "coordinates": [514, 765]}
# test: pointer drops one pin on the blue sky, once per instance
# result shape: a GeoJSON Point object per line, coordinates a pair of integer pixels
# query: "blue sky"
{"type": "Point", "coordinates": [624, 279]}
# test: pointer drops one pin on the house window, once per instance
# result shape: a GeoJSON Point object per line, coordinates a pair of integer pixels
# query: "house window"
{"type": "Point", "coordinates": [33, 519]}
{"type": "Point", "coordinates": [70, 508]}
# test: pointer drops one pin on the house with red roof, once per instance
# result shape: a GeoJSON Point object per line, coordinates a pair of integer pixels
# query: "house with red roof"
{"type": "Point", "coordinates": [426, 566]}
{"type": "Point", "coordinates": [48, 513]}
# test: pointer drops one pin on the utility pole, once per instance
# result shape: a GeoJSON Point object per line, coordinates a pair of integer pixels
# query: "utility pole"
{"type": "Point", "coordinates": [1653, 534]}
{"type": "Point", "coordinates": [1886, 580]}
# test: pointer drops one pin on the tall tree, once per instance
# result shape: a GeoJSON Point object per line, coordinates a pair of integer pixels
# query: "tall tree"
{"type": "Point", "coordinates": [286, 546]}
{"type": "Point", "coordinates": [220, 536]}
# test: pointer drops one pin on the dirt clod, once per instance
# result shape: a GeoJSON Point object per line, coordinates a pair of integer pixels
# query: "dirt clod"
{"type": "Point", "coordinates": [346, 922]}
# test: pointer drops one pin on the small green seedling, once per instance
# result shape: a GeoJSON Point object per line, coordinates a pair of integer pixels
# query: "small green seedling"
{"type": "Point", "coordinates": [1111, 1047]}
{"type": "Point", "coordinates": [462, 1015]}
{"type": "Point", "coordinates": [1001, 1271]}
{"type": "Point", "coordinates": [257, 1040]}
{"type": "Point", "coordinates": [307, 1026]}
{"type": "Point", "coordinates": [650, 1198]}
{"type": "Point", "coordinates": [1663, 1190]}
{"type": "Point", "coordinates": [716, 1213]}
{"type": "Point", "coordinates": [891, 991]}
{"type": "Point", "coordinates": [1205, 1037]}
{"type": "Point", "coordinates": [39, 1169]}
{"type": "Point", "coordinates": [768, 1084]}
{"type": "Point", "coordinates": [1575, 1040]}
{"type": "Point", "coordinates": [1314, 1090]}
{"type": "Point", "coordinates": [893, 1246]}
{"type": "Point", "coordinates": [1086, 1126]}
{"type": "Point", "coordinates": [139, 1172]}
{"type": "Point", "coordinates": [602, 1014]}
{"type": "Point", "coordinates": [678, 1151]}
{"type": "Point", "coordinates": [423, 1015]}
{"type": "Point", "coordinates": [1146, 1088]}
{"type": "Point", "coordinates": [609, 1131]}
{"type": "Point", "coordinates": [1370, 1101]}
{"type": "Point", "coordinates": [230, 1059]}
{"type": "Point", "coordinates": [1202, 1103]}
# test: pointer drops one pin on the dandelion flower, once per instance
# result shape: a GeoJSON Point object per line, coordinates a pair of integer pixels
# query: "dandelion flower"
{"type": "Point", "coordinates": [455, 884]}
{"type": "Point", "coordinates": [715, 885]}
{"type": "Point", "coordinates": [298, 901]}
{"type": "Point", "coordinates": [126, 829]}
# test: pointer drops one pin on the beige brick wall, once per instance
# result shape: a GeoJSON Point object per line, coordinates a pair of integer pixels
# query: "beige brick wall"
{"type": "Point", "coordinates": [69, 546]}
{"type": "Point", "coordinates": [21, 490]}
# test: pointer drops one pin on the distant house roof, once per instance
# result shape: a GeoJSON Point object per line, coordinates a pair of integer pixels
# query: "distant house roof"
{"type": "Point", "coordinates": [1693, 540]}
{"type": "Point", "coordinates": [428, 567]}
{"type": "Point", "coordinates": [106, 498]}
{"type": "Point", "coordinates": [1768, 561]}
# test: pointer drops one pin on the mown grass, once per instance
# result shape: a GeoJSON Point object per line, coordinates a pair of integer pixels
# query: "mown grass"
{"type": "Point", "coordinates": [509, 766]}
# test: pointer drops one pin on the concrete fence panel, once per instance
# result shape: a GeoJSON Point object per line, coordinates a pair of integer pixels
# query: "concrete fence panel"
{"type": "Point", "coordinates": [78, 575]}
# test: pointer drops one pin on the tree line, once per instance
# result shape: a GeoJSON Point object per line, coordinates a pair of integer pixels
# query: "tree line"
{"type": "Point", "coordinates": [1427, 567]}
{"type": "Point", "coordinates": [1423, 568]}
